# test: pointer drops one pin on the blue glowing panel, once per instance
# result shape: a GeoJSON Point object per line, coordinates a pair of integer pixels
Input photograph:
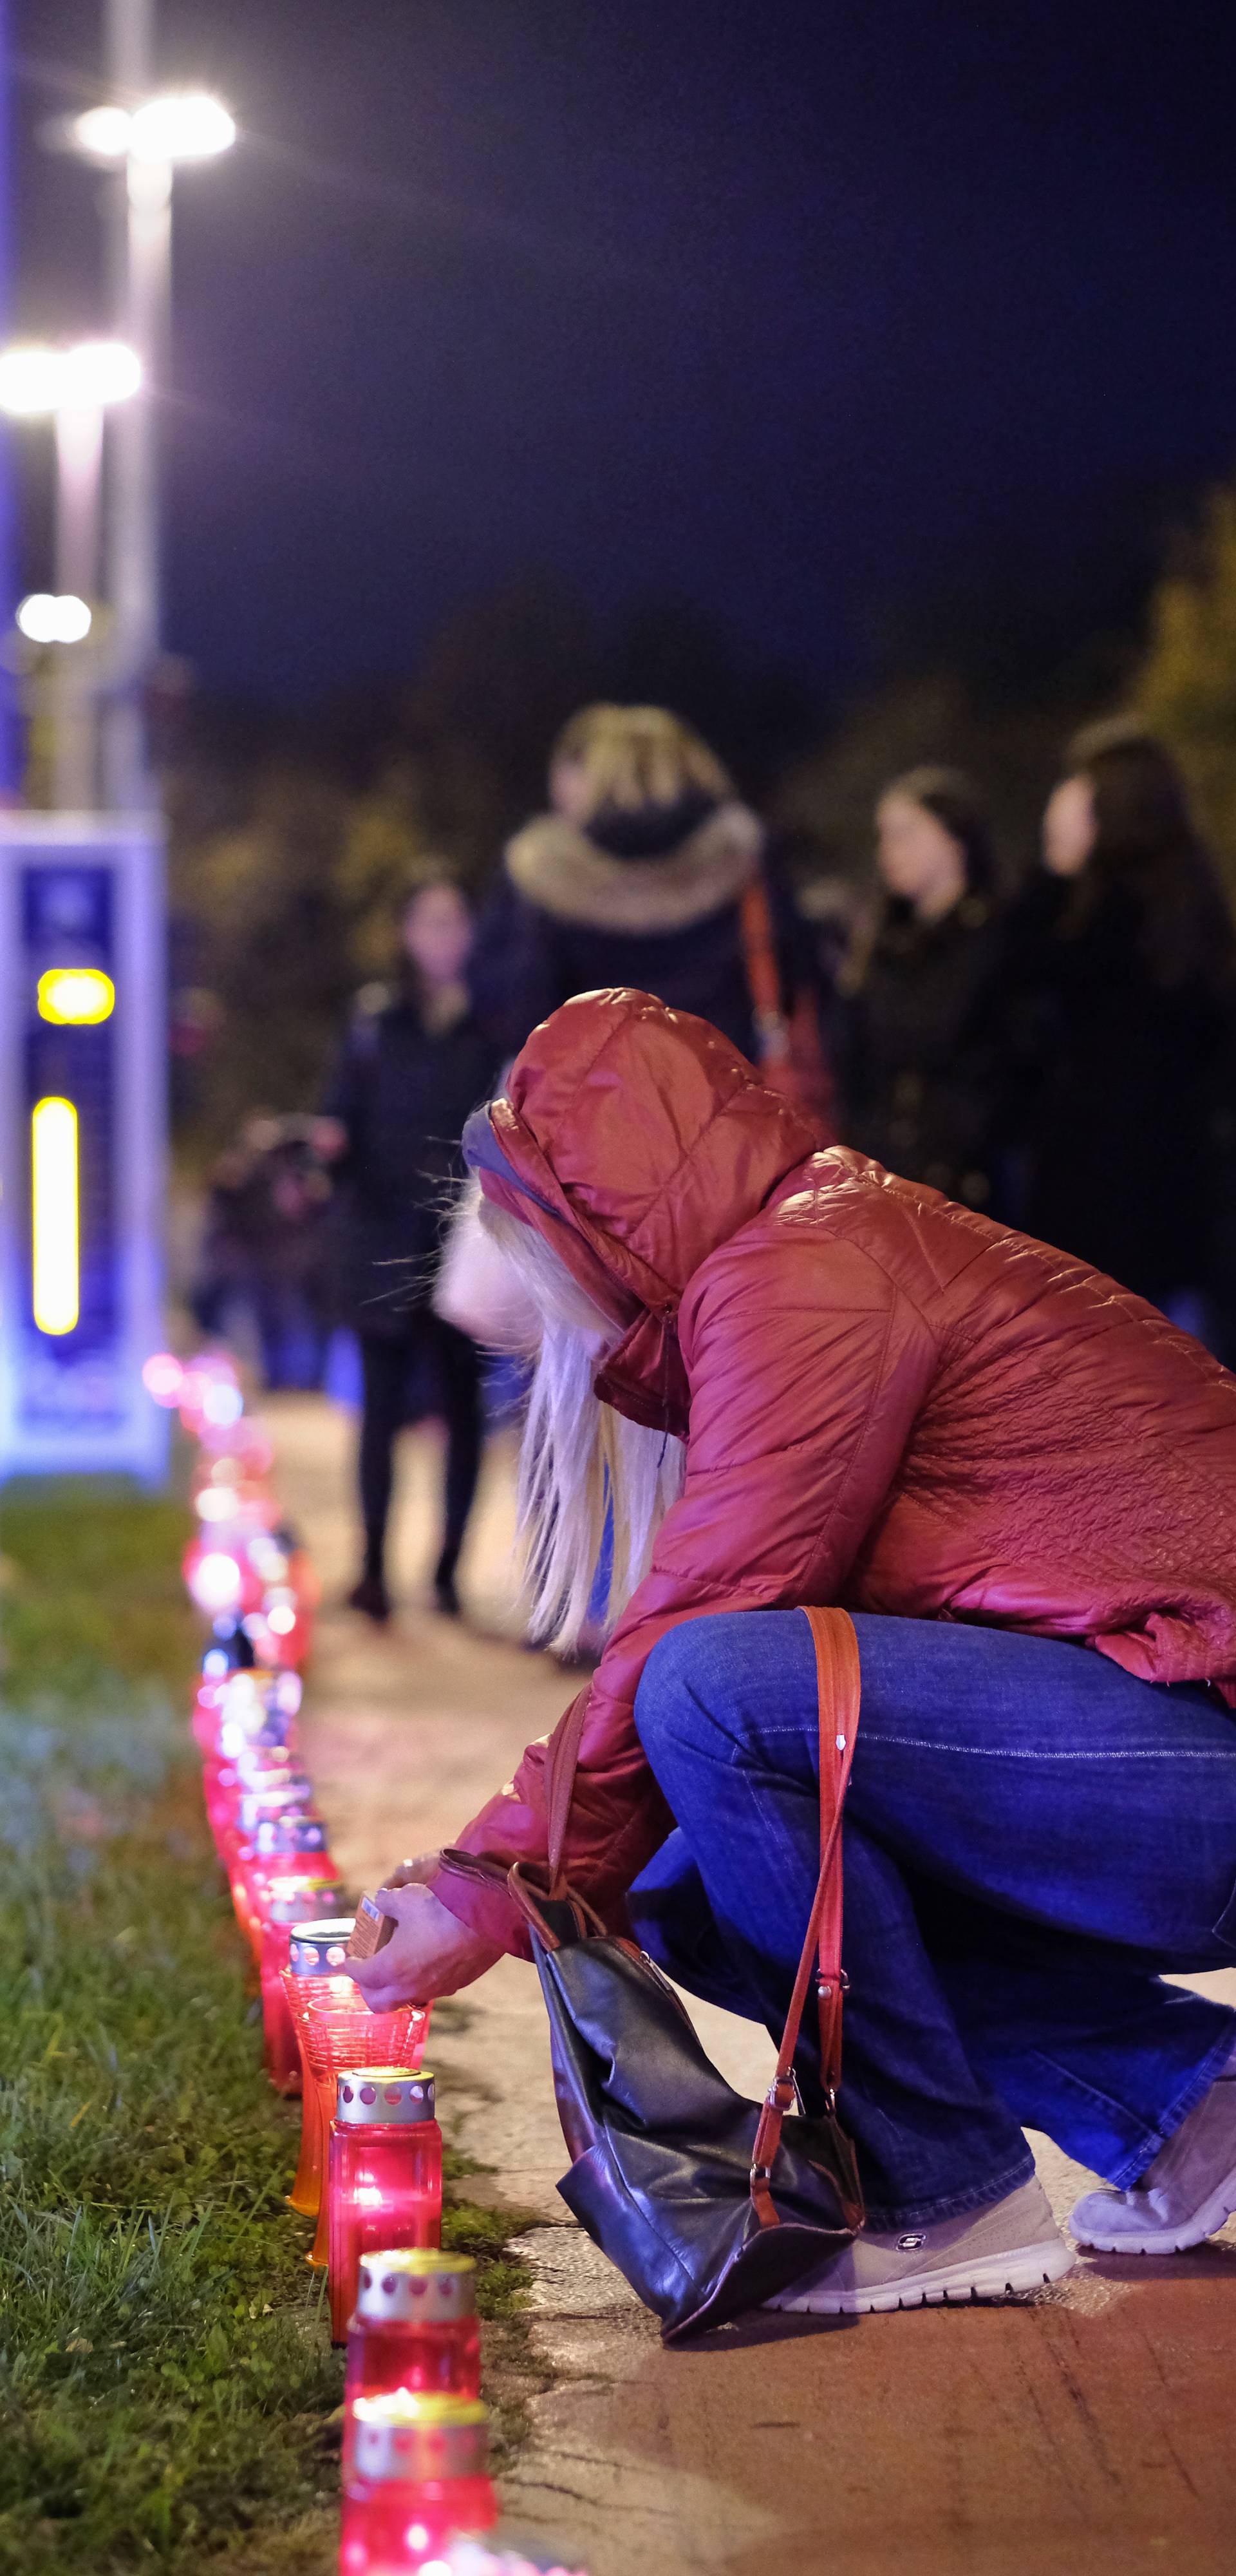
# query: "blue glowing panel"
{"type": "Point", "coordinates": [82, 901]}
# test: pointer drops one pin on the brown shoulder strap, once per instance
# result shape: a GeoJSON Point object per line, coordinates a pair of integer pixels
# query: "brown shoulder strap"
{"type": "Point", "coordinates": [561, 1764]}
{"type": "Point", "coordinates": [839, 1682]}
{"type": "Point", "coordinates": [837, 1668]}
{"type": "Point", "coordinates": [840, 1687]}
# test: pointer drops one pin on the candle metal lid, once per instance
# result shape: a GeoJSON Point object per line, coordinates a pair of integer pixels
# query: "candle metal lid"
{"type": "Point", "coordinates": [272, 1803]}
{"type": "Point", "coordinates": [291, 1909]}
{"type": "Point", "coordinates": [383, 2097]}
{"type": "Point", "coordinates": [256, 1732]}
{"type": "Point", "coordinates": [407, 2437]}
{"type": "Point", "coordinates": [316, 1949]}
{"type": "Point", "coordinates": [416, 2286]}
{"type": "Point", "coordinates": [264, 1766]}
{"type": "Point", "coordinates": [289, 1833]}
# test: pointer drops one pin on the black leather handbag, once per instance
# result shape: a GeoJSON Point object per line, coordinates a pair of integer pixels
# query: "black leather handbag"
{"type": "Point", "coordinates": [707, 2202]}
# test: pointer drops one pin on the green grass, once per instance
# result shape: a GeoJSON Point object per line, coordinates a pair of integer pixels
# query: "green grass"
{"type": "Point", "coordinates": [166, 2379]}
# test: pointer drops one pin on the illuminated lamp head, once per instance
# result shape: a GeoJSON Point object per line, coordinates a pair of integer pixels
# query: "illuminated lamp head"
{"type": "Point", "coordinates": [75, 997]}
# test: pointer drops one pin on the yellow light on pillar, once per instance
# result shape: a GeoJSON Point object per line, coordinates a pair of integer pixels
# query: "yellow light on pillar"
{"type": "Point", "coordinates": [54, 1209]}
{"type": "Point", "coordinates": [76, 997]}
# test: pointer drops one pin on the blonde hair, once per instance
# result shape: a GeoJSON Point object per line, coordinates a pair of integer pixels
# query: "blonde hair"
{"type": "Point", "coordinates": [633, 756]}
{"type": "Point", "coordinates": [578, 1458]}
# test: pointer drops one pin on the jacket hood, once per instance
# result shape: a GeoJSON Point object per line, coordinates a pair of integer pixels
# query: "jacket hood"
{"type": "Point", "coordinates": [636, 1139]}
{"type": "Point", "coordinates": [553, 864]}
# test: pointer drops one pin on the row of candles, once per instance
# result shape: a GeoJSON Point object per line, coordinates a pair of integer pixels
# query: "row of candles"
{"type": "Point", "coordinates": [416, 2489]}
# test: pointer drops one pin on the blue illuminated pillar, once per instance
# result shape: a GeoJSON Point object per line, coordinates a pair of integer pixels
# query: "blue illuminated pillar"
{"type": "Point", "coordinates": [82, 1145]}
{"type": "Point", "coordinates": [10, 726]}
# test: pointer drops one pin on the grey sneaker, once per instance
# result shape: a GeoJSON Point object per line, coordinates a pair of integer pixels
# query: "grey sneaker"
{"type": "Point", "coordinates": [991, 2253]}
{"type": "Point", "coordinates": [1183, 2197]}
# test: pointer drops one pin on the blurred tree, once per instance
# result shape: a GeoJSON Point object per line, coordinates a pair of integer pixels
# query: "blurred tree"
{"type": "Point", "coordinates": [270, 926]}
{"type": "Point", "coordinates": [756, 716]}
{"type": "Point", "coordinates": [385, 847]}
{"type": "Point", "coordinates": [497, 685]}
{"type": "Point", "coordinates": [1186, 688]}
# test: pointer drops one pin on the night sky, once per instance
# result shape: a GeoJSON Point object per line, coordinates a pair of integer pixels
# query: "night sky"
{"type": "Point", "coordinates": [804, 313]}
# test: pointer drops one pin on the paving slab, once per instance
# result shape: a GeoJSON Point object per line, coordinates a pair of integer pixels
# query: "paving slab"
{"type": "Point", "coordinates": [1080, 2433]}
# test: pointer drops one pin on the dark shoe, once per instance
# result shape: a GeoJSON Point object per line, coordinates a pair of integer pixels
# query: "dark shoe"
{"type": "Point", "coordinates": [371, 1596]}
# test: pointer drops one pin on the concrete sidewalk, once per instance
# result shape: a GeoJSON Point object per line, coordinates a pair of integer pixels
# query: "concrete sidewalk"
{"type": "Point", "coordinates": [1086, 2431]}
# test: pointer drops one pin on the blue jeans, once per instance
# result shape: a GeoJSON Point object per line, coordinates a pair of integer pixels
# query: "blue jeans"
{"type": "Point", "coordinates": [1032, 1839]}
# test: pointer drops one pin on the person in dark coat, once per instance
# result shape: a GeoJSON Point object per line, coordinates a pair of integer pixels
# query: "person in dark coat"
{"type": "Point", "coordinates": [1125, 966]}
{"type": "Point", "coordinates": [414, 1065]}
{"type": "Point", "coordinates": [918, 1050]}
{"type": "Point", "coordinates": [637, 875]}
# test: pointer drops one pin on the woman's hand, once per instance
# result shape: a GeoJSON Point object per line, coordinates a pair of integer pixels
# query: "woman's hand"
{"type": "Point", "coordinates": [430, 1953]}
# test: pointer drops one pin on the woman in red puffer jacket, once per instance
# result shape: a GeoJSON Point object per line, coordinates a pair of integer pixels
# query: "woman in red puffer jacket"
{"type": "Point", "coordinates": [887, 1402]}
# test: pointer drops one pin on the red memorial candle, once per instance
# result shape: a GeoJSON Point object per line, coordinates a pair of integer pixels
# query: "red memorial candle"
{"type": "Point", "coordinates": [292, 1839]}
{"type": "Point", "coordinates": [244, 1718]}
{"type": "Point", "coordinates": [416, 2482]}
{"type": "Point", "coordinates": [413, 2327]}
{"type": "Point", "coordinates": [243, 1826]}
{"type": "Point", "coordinates": [384, 2177]}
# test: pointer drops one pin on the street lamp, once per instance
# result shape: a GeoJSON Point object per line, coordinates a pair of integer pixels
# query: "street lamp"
{"type": "Point", "coordinates": [46, 618]}
{"type": "Point", "coordinates": [175, 125]}
{"type": "Point", "coordinates": [144, 136]}
{"type": "Point", "coordinates": [73, 388]}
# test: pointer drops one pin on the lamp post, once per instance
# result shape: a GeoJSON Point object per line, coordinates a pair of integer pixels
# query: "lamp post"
{"type": "Point", "coordinates": [144, 137]}
{"type": "Point", "coordinates": [73, 388]}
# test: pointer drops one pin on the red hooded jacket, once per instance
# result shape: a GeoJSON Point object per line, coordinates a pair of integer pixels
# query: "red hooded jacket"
{"type": "Point", "coordinates": [889, 1402]}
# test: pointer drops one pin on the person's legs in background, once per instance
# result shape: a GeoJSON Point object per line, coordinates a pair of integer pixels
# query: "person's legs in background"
{"type": "Point", "coordinates": [384, 1372]}
{"type": "Point", "coordinates": [459, 1367]}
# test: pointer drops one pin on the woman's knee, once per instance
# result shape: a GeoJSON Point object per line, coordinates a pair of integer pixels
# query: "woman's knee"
{"type": "Point", "coordinates": [679, 1682]}
{"type": "Point", "coordinates": [706, 1678]}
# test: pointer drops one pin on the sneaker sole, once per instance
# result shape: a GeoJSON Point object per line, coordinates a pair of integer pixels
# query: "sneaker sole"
{"type": "Point", "coordinates": [1006, 2276]}
{"type": "Point", "coordinates": [1213, 2214]}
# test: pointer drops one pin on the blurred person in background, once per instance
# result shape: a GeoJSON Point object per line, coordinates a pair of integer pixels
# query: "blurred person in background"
{"type": "Point", "coordinates": [263, 1255]}
{"type": "Point", "coordinates": [648, 871]}
{"type": "Point", "coordinates": [413, 1066]}
{"type": "Point", "coordinates": [918, 1050]}
{"type": "Point", "coordinates": [1123, 966]}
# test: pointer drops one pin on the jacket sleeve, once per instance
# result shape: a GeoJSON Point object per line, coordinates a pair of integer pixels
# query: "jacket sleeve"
{"type": "Point", "coordinates": [345, 1093]}
{"type": "Point", "coordinates": [806, 1368]}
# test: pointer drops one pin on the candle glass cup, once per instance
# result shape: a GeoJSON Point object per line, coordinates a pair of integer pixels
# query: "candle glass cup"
{"type": "Point", "coordinates": [414, 2327]}
{"type": "Point", "coordinates": [339, 2033]}
{"type": "Point", "coordinates": [290, 1896]}
{"type": "Point", "coordinates": [417, 2481]}
{"type": "Point", "coordinates": [293, 1837]}
{"type": "Point", "coordinates": [335, 2030]}
{"type": "Point", "coordinates": [384, 2174]}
